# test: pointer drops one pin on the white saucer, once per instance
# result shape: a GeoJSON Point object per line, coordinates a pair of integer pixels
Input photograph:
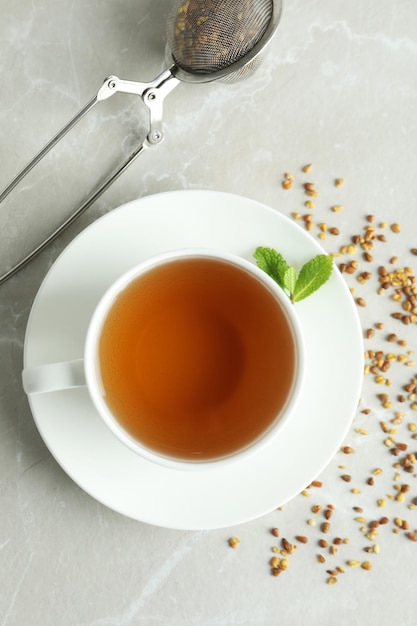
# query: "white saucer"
{"type": "Point", "coordinates": [114, 475]}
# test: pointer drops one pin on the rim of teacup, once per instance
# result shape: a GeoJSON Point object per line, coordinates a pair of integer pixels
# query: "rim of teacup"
{"type": "Point", "coordinates": [96, 391]}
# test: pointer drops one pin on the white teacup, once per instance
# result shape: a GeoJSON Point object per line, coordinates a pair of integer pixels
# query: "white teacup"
{"type": "Point", "coordinates": [194, 358]}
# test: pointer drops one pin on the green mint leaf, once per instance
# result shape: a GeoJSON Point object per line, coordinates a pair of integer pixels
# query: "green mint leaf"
{"type": "Point", "coordinates": [312, 276]}
{"type": "Point", "coordinates": [290, 278]}
{"type": "Point", "coordinates": [273, 263]}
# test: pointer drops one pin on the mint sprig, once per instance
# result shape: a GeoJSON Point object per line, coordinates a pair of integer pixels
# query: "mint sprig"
{"type": "Point", "coordinates": [311, 276]}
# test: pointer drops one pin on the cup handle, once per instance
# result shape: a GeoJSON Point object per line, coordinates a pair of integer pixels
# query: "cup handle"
{"type": "Point", "coordinates": [54, 376]}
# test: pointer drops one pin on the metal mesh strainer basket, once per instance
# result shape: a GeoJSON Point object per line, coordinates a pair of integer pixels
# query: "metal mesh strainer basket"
{"type": "Point", "coordinates": [206, 36]}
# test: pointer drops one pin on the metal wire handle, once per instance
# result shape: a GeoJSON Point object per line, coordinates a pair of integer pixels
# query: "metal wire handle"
{"type": "Point", "coordinates": [152, 94]}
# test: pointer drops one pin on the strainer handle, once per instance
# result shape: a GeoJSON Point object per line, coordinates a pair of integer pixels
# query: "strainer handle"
{"type": "Point", "coordinates": [152, 95]}
{"type": "Point", "coordinates": [38, 157]}
{"type": "Point", "coordinates": [23, 262]}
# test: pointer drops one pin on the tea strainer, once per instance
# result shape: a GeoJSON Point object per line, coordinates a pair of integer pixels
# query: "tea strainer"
{"type": "Point", "coordinates": [207, 40]}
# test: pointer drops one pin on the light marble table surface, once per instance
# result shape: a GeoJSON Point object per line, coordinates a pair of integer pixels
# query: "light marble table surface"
{"type": "Point", "coordinates": [337, 89]}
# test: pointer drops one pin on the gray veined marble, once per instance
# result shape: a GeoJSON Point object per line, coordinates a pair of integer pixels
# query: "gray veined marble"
{"type": "Point", "coordinates": [338, 89]}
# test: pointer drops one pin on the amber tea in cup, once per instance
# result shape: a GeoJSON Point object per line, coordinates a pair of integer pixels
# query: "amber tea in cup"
{"type": "Point", "coordinates": [197, 358]}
